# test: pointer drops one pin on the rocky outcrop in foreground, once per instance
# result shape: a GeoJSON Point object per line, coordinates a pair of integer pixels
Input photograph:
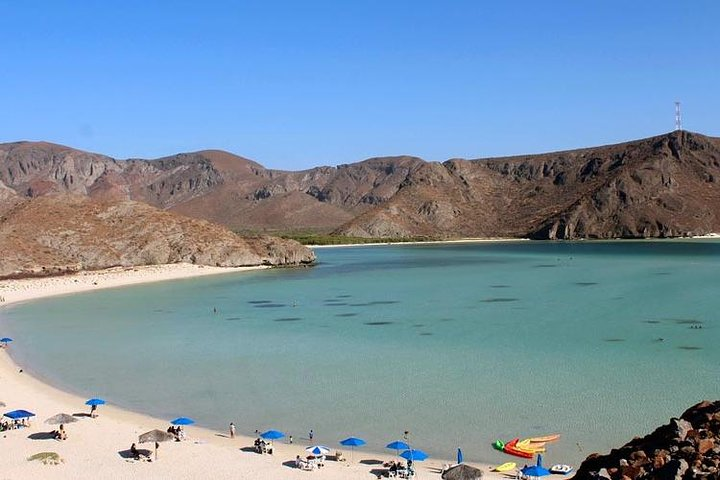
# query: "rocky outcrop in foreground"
{"type": "Point", "coordinates": [62, 234]}
{"type": "Point", "coordinates": [686, 448]}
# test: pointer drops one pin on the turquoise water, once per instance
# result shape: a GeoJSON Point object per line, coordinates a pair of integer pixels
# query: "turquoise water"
{"type": "Point", "coordinates": [460, 344]}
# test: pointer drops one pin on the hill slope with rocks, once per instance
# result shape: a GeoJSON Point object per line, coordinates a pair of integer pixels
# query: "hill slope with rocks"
{"type": "Point", "coordinates": [664, 186]}
{"type": "Point", "coordinates": [685, 449]}
{"type": "Point", "coordinates": [65, 233]}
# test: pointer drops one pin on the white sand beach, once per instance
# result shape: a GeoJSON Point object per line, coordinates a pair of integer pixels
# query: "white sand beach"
{"type": "Point", "coordinates": [93, 449]}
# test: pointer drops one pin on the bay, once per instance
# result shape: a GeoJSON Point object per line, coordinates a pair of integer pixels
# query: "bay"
{"type": "Point", "coordinates": [459, 344]}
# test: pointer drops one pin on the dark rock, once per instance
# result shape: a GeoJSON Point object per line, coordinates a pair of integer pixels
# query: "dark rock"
{"type": "Point", "coordinates": [684, 449]}
{"type": "Point", "coordinates": [673, 470]}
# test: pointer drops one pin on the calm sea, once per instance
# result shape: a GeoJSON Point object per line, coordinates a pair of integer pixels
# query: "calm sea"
{"type": "Point", "coordinates": [460, 344]}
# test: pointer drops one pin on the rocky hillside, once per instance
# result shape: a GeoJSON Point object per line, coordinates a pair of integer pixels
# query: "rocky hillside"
{"type": "Point", "coordinates": [212, 184]}
{"type": "Point", "coordinates": [64, 233]}
{"type": "Point", "coordinates": [686, 448]}
{"type": "Point", "coordinates": [663, 186]}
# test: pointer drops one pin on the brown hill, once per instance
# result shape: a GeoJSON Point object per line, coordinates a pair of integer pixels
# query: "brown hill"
{"type": "Point", "coordinates": [211, 184]}
{"type": "Point", "coordinates": [662, 186]}
{"type": "Point", "coordinates": [63, 233]}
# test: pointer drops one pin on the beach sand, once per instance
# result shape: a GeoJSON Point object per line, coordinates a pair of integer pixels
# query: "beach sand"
{"type": "Point", "coordinates": [93, 448]}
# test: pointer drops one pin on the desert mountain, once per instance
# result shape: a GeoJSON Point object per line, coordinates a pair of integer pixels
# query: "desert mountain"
{"type": "Point", "coordinates": [65, 233]}
{"type": "Point", "coordinates": [662, 186]}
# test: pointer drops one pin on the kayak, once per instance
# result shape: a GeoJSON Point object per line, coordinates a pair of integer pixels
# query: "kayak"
{"type": "Point", "coordinates": [511, 448]}
{"type": "Point", "coordinates": [546, 438]}
{"type": "Point", "coordinates": [561, 469]}
{"type": "Point", "coordinates": [505, 467]}
{"type": "Point", "coordinates": [527, 446]}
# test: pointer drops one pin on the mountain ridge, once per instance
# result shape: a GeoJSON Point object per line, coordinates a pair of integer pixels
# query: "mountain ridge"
{"type": "Point", "coordinates": [661, 186]}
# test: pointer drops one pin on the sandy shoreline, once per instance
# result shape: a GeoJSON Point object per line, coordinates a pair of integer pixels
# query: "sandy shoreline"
{"type": "Point", "coordinates": [93, 447]}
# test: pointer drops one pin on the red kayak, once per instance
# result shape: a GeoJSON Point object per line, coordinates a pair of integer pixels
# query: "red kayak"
{"type": "Point", "coordinates": [510, 448]}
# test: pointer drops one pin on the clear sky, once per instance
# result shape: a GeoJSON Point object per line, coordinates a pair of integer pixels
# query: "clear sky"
{"type": "Point", "coordinates": [295, 84]}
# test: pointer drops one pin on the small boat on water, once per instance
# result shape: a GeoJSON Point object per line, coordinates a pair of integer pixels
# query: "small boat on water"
{"type": "Point", "coordinates": [545, 439]}
{"type": "Point", "coordinates": [505, 467]}
{"type": "Point", "coordinates": [528, 446]}
{"type": "Point", "coordinates": [561, 469]}
{"type": "Point", "coordinates": [511, 448]}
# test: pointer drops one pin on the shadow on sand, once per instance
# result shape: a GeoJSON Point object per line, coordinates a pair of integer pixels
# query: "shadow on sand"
{"type": "Point", "coordinates": [126, 454]}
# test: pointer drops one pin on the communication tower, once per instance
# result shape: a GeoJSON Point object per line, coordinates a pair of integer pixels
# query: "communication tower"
{"type": "Point", "coordinates": [678, 117]}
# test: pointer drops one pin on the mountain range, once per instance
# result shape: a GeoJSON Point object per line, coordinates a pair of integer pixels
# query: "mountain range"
{"type": "Point", "coordinates": [663, 186]}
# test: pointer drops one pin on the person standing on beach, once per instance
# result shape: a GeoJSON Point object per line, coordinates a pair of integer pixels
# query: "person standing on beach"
{"type": "Point", "coordinates": [232, 430]}
{"type": "Point", "coordinates": [310, 435]}
{"type": "Point", "coordinates": [290, 439]}
{"type": "Point", "coordinates": [93, 411]}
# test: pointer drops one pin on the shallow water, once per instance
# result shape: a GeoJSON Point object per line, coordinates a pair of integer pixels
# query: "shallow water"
{"type": "Point", "coordinates": [460, 344]}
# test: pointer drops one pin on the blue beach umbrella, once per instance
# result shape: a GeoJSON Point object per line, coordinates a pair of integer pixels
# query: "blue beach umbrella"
{"type": "Point", "coordinates": [414, 455]}
{"type": "Point", "coordinates": [398, 445]}
{"type": "Point", "coordinates": [536, 470]}
{"type": "Point", "coordinates": [352, 442]}
{"type": "Point", "coordinates": [183, 421]}
{"type": "Point", "coordinates": [459, 457]}
{"type": "Point", "coordinates": [318, 450]}
{"type": "Point", "coordinates": [6, 340]}
{"type": "Point", "coordinates": [272, 435]}
{"type": "Point", "coordinates": [95, 401]}
{"type": "Point", "coordinates": [18, 414]}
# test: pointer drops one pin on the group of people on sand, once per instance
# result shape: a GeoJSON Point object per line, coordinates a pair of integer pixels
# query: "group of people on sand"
{"type": "Point", "coordinates": [13, 424]}
{"type": "Point", "coordinates": [398, 469]}
{"type": "Point", "coordinates": [263, 446]}
{"type": "Point", "coordinates": [309, 462]}
{"type": "Point", "coordinates": [138, 455]}
{"type": "Point", "coordinates": [60, 433]}
{"type": "Point", "coordinates": [178, 432]}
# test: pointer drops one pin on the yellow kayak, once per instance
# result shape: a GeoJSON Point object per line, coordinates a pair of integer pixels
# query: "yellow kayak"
{"type": "Point", "coordinates": [528, 445]}
{"type": "Point", "coordinates": [505, 467]}
{"type": "Point", "coordinates": [546, 438]}
{"type": "Point", "coordinates": [531, 449]}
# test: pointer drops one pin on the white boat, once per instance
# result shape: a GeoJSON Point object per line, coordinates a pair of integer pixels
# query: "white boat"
{"type": "Point", "coordinates": [561, 469]}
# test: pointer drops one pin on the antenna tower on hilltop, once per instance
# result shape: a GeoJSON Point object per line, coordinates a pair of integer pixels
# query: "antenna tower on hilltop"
{"type": "Point", "coordinates": [678, 117]}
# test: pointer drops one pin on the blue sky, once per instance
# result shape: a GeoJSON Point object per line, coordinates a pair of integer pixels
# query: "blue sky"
{"type": "Point", "coordinates": [295, 84]}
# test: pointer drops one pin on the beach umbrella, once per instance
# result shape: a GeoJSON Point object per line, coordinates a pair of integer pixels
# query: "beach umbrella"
{"type": "Point", "coordinates": [94, 402]}
{"type": "Point", "coordinates": [536, 470]}
{"type": "Point", "coordinates": [318, 450]}
{"type": "Point", "coordinates": [352, 442]}
{"type": "Point", "coordinates": [156, 436]}
{"type": "Point", "coordinates": [183, 421]}
{"type": "Point", "coordinates": [6, 340]}
{"type": "Point", "coordinates": [414, 455]}
{"type": "Point", "coordinates": [272, 435]}
{"type": "Point", "coordinates": [18, 414]}
{"type": "Point", "coordinates": [398, 445]}
{"type": "Point", "coordinates": [462, 472]}
{"type": "Point", "coordinates": [60, 419]}
{"type": "Point", "coordinates": [459, 457]}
